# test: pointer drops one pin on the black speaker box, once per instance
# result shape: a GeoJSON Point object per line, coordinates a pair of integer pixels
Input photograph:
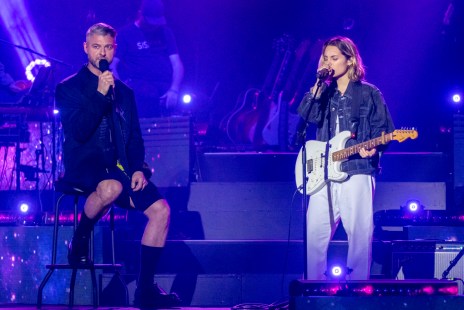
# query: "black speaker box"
{"type": "Point", "coordinates": [426, 260]}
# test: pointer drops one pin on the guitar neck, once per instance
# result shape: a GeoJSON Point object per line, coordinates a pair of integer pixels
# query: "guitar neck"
{"type": "Point", "coordinates": [370, 144]}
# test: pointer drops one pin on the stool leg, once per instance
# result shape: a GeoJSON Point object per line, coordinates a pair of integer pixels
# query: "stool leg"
{"type": "Point", "coordinates": [54, 250]}
{"type": "Point", "coordinates": [74, 271]}
{"type": "Point", "coordinates": [113, 256]}
{"type": "Point", "coordinates": [94, 287]}
{"type": "Point", "coordinates": [41, 287]}
{"type": "Point", "coordinates": [71, 287]}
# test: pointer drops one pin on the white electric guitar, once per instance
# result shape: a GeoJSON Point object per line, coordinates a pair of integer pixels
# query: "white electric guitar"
{"type": "Point", "coordinates": [315, 157]}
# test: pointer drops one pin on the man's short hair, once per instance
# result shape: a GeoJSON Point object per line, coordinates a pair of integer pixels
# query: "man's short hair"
{"type": "Point", "coordinates": [101, 29]}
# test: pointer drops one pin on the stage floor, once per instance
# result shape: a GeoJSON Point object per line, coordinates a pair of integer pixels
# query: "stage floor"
{"type": "Point", "coordinates": [63, 307]}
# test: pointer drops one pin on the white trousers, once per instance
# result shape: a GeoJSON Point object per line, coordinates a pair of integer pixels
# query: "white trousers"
{"type": "Point", "coordinates": [352, 203]}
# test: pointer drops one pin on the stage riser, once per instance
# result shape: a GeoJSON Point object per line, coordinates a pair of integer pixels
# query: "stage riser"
{"type": "Point", "coordinates": [253, 268]}
{"type": "Point", "coordinates": [247, 211]}
{"type": "Point", "coordinates": [220, 290]}
{"type": "Point", "coordinates": [455, 233]}
{"type": "Point", "coordinates": [280, 167]}
{"type": "Point", "coordinates": [26, 251]}
{"type": "Point", "coordinates": [259, 258]}
{"type": "Point", "coordinates": [267, 210]}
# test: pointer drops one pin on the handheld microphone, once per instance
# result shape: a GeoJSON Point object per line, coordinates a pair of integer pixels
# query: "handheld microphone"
{"type": "Point", "coordinates": [324, 74]}
{"type": "Point", "coordinates": [104, 65]}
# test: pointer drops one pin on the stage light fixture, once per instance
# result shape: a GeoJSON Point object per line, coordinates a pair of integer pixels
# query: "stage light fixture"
{"type": "Point", "coordinates": [456, 98]}
{"type": "Point", "coordinates": [414, 206]}
{"type": "Point", "coordinates": [187, 99]}
{"type": "Point", "coordinates": [38, 62]}
{"type": "Point", "coordinates": [336, 271]}
{"type": "Point", "coordinates": [24, 207]}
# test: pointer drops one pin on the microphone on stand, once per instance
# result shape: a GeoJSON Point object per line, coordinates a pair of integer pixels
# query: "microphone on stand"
{"type": "Point", "coordinates": [324, 74]}
{"type": "Point", "coordinates": [104, 65]}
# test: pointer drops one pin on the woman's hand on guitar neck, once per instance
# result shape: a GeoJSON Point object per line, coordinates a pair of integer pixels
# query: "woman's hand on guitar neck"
{"type": "Point", "coordinates": [366, 154]}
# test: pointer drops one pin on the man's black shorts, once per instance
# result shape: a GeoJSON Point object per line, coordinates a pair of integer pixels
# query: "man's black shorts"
{"type": "Point", "coordinates": [142, 198]}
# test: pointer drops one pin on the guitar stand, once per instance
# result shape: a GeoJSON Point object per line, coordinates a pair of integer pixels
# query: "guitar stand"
{"type": "Point", "coordinates": [452, 264]}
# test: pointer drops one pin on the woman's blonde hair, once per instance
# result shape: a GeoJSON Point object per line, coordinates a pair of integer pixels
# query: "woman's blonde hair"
{"type": "Point", "coordinates": [356, 71]}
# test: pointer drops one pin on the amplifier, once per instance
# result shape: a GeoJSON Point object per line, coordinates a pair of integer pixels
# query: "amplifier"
{"type": "Point", "coordinates": [168, 149]}
{"type": "Point", "coordinates": [426, 260]}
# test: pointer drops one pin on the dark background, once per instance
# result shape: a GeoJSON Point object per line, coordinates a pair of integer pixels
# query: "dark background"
{"type": "Point", "coordinates": [411, 54]}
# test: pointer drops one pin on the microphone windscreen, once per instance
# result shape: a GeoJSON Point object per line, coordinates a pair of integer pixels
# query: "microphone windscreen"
{"type": "Point", "coordinates": [103, 65]}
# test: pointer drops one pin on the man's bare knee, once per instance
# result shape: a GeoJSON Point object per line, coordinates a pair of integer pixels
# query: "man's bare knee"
{"type": "Point", "coordinates": [159, 210]}
{"type": "Point", "coordinates": [109, 190]}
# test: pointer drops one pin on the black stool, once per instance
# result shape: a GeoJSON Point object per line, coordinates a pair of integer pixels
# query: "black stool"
{"type": "Point", "coordinates": [67, 190]}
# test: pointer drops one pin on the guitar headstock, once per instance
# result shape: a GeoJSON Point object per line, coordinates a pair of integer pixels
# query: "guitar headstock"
{"type": "Point", "coordinates": [403, 134]}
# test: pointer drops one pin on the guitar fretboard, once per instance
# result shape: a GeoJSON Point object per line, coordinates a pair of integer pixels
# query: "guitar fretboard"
{"type": "Point", "coordinates": [345, 153]}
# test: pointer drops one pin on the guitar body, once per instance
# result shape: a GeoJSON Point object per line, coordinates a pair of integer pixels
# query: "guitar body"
{"type": "Point", "coordinates": [315, 159]}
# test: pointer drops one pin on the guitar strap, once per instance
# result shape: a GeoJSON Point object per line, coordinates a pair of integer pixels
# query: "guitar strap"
{"type": "Point", "coordinates": [326, 174]}
{"type": "Point", "coordinates": [355, 104]}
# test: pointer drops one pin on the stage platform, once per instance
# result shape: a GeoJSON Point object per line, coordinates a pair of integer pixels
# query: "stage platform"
{"type": "Point", "coordinates": [24, 307]}
{"type": "Point", "coordinates": [235, 238]}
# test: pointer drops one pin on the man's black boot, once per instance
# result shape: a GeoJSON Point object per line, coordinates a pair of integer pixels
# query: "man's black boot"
{"type": "Point", "coordinates": [154, 297]}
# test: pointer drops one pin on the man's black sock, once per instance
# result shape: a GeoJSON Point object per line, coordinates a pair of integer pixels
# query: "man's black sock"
{"type": "Point", "coordinates": [85, 226]}
{"type": "Point", "coordinates": [149, 257]}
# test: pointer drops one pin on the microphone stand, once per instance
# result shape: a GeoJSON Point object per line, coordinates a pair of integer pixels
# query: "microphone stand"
{"type": "Point", "coordinates": [452, 264]}
{"type": "Point", "coordinates": [27, 49]}
{"type": "Point", "coordinates": [302, 140]}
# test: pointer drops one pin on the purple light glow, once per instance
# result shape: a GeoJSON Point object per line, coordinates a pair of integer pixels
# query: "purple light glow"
{"type": "Point", "coordinates": [16, 19]}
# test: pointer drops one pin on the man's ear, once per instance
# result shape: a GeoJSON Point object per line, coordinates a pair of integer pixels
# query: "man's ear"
{"type": "Point", "coordinates": [85, 47]}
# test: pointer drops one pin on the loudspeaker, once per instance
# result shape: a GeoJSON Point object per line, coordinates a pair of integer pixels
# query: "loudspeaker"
{"type": "Point", "coordinates": [426, 260]}
{"type": "Point", "coordinates": [168, 149]}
